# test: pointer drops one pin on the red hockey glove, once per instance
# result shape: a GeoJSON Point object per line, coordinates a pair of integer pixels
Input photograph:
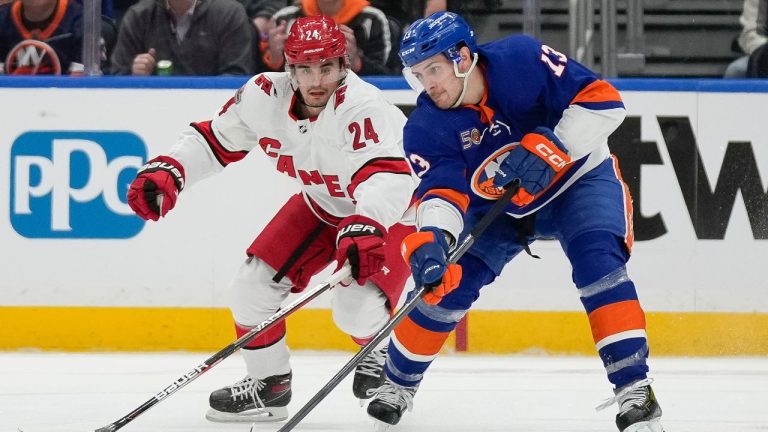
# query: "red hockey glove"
{"type": "Point", "coordinates": [426, 252]}
{"type": "Point", "coordinates": [361, 241]}
{"type": "Point", "coordinates": [534, 163]}
{"type": "Point", "coordinates": [157, 184]}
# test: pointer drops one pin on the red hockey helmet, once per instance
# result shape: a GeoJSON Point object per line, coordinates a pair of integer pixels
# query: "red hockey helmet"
{"type": "Point", "coordinates": [314, 39]}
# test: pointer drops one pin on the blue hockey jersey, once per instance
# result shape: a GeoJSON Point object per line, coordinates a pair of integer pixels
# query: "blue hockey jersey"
{"type": "Point", "coordinates": [456, 152]}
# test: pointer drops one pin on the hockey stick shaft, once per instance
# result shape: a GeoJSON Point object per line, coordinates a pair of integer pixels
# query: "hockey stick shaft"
{"type": "Point", "coordinates": [457, 253]}
{"type": "Point", "coordinates": [243, 340]}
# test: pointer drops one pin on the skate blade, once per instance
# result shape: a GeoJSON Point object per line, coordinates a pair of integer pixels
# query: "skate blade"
{"type": "Point", "coordinates": [380, 426]}
{"type": "Point", "coordinates": [649, 426]}
{"type": "Point", "coordinates": [269, 414]}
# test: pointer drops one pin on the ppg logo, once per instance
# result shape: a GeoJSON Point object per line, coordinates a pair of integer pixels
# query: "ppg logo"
{"type": "Point", "coordinates": [69, 184]}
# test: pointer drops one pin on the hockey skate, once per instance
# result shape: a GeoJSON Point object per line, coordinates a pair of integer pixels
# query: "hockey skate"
{"type": "Point", "coordinates": [638, 409]}
{"type": "Point", "coordinates": [252, 400]}
{"type": "Point", "coordinates": [388, 404]}
{"type": "Point", "coordinates": [369, 374]}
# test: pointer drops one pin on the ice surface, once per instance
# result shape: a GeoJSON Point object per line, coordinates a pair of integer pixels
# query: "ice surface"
{"type": "Point", "coordinates": [82, 392]}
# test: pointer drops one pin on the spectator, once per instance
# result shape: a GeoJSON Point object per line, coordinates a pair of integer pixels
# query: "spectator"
{"type": "Point", "coordinates": [198, 37]}
{"type": "Point", "coordinates": [370, 43]}
{"type": "Point", "coordinates": [404, 12]}
{"type": "Point", "coordinates": [753, 37]}
{"type": "Point", "coordinates": [407, 11]}
{"type": "Point", "coordinates": [41, 37]}
{"type": "Point", "coordinates": [260, 12]}
{"type": "Point", "coordinates": [120, 7]}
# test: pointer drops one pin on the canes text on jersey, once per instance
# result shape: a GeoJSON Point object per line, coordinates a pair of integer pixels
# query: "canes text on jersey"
{"type": "Point", "coordinates": [285, 165]}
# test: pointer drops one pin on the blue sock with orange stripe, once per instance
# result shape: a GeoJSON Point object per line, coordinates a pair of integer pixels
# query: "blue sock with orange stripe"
{"type": "Point", "coordinates": [609, 298]}
{"type": "Point", "coordinates": [417, 340]}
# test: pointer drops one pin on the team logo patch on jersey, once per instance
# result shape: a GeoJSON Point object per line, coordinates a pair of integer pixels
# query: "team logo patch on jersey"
{"type": "Point", "coordinates": [482, 178]}
{"type": "Point", "coordinates": [32, 57]}
{"type": "Point", "coordinates": [471, 137]}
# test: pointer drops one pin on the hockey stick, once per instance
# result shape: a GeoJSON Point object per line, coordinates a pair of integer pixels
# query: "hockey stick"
{"type": "Point", "coordinates": [457, 253]}
{"type": "Point", "coordinates": [205, 366]}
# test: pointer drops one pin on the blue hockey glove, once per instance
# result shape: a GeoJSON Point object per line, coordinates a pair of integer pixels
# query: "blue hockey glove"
{"type": "Point", "coordinates": [426, 252]}
{"type": "Point", "coordinates": [535, 163]}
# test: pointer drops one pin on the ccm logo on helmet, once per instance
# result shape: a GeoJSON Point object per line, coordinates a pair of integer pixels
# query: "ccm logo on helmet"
{"type": "Point", "coordinates": [548, 154]}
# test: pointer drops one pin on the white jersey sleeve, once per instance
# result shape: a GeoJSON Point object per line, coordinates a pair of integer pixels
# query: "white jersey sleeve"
{"type": "Point", "coordinates": [209, 146]}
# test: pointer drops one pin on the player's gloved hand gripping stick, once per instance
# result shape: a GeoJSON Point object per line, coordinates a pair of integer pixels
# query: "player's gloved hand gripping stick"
{"type": "Point", "coordinates": [535, 164]}
{"type": "Point", "coordinates": [409, 305]}
{"type": "Point", "coordinates": [341, 275]}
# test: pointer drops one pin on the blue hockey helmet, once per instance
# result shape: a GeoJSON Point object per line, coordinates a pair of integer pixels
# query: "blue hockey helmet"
{"type": "Point", "coordinates": [441, 32]}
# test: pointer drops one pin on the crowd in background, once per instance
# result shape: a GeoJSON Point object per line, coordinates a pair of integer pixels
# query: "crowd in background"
{"type": "Point", "coordinates": [196, 37]}
{"type": "Point", "coordinates": [245, 37]}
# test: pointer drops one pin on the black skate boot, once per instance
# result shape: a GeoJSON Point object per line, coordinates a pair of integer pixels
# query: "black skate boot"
{"type": "Point", "coordinates": [252, 400]}
{"type": "Point", "coordinates": [638, 409]}
{"type": "Point", "coordinates": [388, 404]}
{"type": "Point", "coordinates": [369, 374]}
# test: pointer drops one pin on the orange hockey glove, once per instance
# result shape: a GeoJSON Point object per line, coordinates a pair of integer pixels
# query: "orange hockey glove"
{"type": "Point", "coordinates": [426, 252]}
{"type": "Point", "coordinates": [535, 163]}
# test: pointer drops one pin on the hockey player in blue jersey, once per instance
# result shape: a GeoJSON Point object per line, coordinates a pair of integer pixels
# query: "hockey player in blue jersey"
{"type": "Point", "coordinates": [514, 112]}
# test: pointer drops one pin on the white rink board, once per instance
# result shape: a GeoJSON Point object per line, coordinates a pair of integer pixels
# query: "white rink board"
{"type": "Point", "coordinates": [188, 258]}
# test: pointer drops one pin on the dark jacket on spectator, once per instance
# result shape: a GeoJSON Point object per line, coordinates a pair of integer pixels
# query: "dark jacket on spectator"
{"type": "Point", "coordinates": [372, 33]}
{"type": "Point", "coordinates": [263, 8]}
{"type": "Point", "coordinates": [219, 40]}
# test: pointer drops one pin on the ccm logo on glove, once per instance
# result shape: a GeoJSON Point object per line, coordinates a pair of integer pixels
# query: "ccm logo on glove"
{"type": "Point", "coordinates": [426, 252]}
{"type": "Point", "coordinates": [555, 159]}
{"type": "Point", "coordinates": [535, 164]}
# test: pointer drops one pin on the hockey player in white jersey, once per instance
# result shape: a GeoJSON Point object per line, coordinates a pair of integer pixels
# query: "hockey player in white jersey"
{"type": "Point", "coordinates": [338, 137]}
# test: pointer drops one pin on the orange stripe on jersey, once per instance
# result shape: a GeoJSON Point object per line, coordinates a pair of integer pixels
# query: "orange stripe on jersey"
{"type": "Point", "coordinates": [597, 91]}
{"type": "Point", "coordinates": [486, 112]}
{"type": "Point", "coordinates": [45, 33]}
{"type": "Point", "coordinates": [392, 165]}
{"type": "Point", "coordinates": [459, 199]}
{"type": "Point", "coordinates": [629, 236]}
{"type": "Point", "coordinates": [418, 340]}
{"type": "Point", "coordinates": [616, 318]}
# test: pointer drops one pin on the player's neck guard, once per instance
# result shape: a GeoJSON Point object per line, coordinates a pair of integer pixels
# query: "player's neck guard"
{"type": "Point", "coordinates": [465, 77]}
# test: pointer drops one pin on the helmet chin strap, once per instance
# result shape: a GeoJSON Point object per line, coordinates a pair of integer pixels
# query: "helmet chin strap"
{"type": "Point", "coordinates": [465, 77]}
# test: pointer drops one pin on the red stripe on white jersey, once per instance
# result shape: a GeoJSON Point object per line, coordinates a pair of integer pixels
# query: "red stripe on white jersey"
{"type": "Point", "coordinates": [224, 156]}
{"type": "Point", "coordinates": [378, 165]}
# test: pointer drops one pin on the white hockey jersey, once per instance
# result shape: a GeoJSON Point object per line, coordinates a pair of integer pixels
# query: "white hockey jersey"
{"type": "Point", "coordinates": [347, 160]}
